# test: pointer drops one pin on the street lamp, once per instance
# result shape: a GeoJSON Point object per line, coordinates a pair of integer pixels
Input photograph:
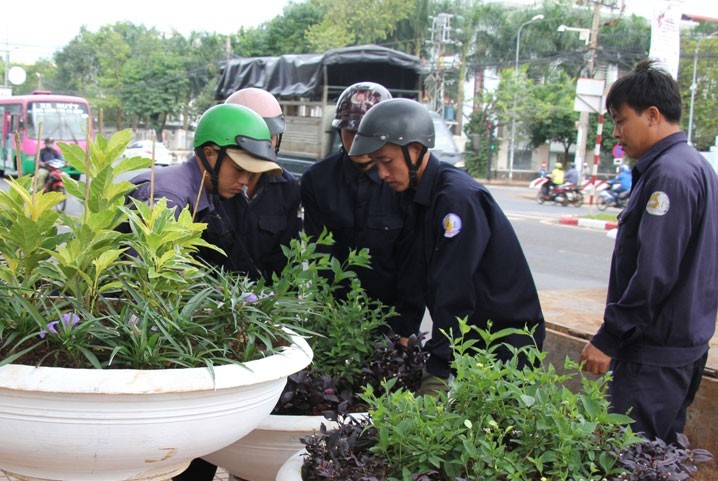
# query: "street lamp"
{"type": "Point", "coordinates": [583, 33]}
{"type": "Point", "coordinates": [516, 77]}
{"type": "Point", "coordinates": [694, 86]}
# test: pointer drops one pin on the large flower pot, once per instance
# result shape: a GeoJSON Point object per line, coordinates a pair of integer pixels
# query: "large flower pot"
{"type": "Point", "coordinates": [291, 470]}
{"type": "Point", "coordinates": [259, 455]}
{"type": "Point", "coordinates": [111, 425]}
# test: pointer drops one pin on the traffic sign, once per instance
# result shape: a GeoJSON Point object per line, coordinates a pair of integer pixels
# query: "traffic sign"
{"type": "Point", "coordinates": [618, 152]}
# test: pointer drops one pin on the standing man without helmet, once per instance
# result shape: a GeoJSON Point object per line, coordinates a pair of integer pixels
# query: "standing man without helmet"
{"type": "Point", "coordinates": [231, 143]}
{"type": "Point", "coordinates": [663, 287]}
{"type": "Point", "coordinates": [466, 260]}
{"type": "Point", "coordinates": [266, 213]}
{"type": "Point", "coordinates": [345, 195]}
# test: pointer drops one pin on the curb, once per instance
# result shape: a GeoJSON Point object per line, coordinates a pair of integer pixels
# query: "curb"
{"type": "Point", "coordinates": [590, 223]}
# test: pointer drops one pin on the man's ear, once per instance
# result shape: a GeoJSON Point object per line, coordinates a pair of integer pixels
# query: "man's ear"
{"type": "Point", "coordinates": [653, 115]}
{"type": "Point", "coordinates": [210, 154]}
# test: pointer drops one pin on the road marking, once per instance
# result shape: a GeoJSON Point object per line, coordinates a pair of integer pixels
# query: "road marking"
{"type": "Point", "coordinates": [523, 216]}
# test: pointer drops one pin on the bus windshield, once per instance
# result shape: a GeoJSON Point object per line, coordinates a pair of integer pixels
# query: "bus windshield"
{"type": "Point", "coordinates": [63, 121]}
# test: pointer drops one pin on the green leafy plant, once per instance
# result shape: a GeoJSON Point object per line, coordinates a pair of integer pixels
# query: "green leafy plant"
{"type": "Point", "coordinates": [353, 345]}
{"type": "Point", "coordinates": [80, 291]}
{"type": "Point", "coordinates": [498, 421]}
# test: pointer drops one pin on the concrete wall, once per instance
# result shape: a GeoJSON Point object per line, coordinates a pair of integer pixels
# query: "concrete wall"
{"type": "Point", "coordinates": [702, 415]}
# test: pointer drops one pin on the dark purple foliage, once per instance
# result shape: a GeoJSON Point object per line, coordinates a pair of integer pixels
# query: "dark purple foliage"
{"type": "Point", "coordinates": [311, 392]}
{"type": "Point", "coordinates": [658, 461]}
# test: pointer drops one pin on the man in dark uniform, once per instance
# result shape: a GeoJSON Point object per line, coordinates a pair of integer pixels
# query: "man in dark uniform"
{"type": "Point", "coordinates": [466, 260]}
{"type": "Point", "coordinates": [232, 146]}
{"type": "Point", "coordinates": [232, 143]}
{"type": "Point", "coordinates": [663, 287]}
{"type": "Point", "coordinates": [266, 213]}
{"type": "Point", "coordinates": [345, 195]}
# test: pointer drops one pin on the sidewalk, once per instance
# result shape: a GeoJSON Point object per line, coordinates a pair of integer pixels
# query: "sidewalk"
{"type": "Point", "coordinates": [579, 312]}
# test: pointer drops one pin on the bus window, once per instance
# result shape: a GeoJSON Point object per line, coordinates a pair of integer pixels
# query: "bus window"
{"type": "Point", "coordinates": [62, 121]}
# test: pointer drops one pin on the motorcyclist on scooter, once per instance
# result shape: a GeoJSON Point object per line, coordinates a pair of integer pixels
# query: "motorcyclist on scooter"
{"type": "Point", "coordinates": [622, 182]}
{"type": "Point", "coordinates": [47, 154]}
{"type": "Point", "coordinates": [571, 175]}
{"type": "Point", "coordinates": [553, 179]}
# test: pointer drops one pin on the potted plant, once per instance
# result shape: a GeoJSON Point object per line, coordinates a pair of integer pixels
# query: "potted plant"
{"type": "Point", "coordinates": [121, 355]}
{"type": "Point", "coordinates": [353, 348]}
{"type": "Point", "coordinates": [497, 422]}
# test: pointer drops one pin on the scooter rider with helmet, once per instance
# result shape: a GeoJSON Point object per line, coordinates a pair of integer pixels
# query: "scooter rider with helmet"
{"type": "Point", "coordinates": [266, 213]}
{"type": "Point", "coordinates": [553, 179]}
{"type": "Point", "coordinates": [465, 258]}
{"type": "Point", "coordinates": [345, 195]}
{"type": "Point", "coordinates": [623, 180]}
{"type": "Point", "coordinates": [231, 144]}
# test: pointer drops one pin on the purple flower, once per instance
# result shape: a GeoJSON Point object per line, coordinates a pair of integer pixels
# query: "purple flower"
{"type": "Point", "coordinates": [251, 298]}
{"type": "Point", "coordinates": [69, 319]}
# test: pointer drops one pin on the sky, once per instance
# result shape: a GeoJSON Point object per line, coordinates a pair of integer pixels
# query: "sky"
{"type": "Point", "coordinates": [37, 29]}
{"type": "Point", "coordinates": [48, 25]}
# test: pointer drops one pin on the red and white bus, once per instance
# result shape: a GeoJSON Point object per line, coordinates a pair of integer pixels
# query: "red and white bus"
{"type": "Point", "coordinates": [64, 118]}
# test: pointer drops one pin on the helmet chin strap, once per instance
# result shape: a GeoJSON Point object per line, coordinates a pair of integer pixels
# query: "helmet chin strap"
{"type": "Point", "coordinates": [213, 172]}
{"type": "Point", "coordinates": [413, 168]}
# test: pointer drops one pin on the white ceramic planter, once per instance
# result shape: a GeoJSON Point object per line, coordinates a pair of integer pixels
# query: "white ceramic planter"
{"type": "Point", "coordinates": [259, 455]}
{"type": "Point", "coordinates": [291, 470]}
{"type": "Point", "coordinates": [112, 425]}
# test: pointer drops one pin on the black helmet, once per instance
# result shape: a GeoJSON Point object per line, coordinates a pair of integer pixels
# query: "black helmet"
{"type": "Point", "coordinates": [355, 101]}
{"type": "Point", "coordinates": [395, 121]}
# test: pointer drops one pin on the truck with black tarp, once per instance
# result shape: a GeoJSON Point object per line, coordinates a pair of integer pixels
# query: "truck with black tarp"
{"type": "Point", "coordinates": [308, 86]}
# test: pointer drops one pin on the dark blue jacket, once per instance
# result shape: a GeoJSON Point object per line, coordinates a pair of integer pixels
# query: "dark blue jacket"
{"type": "Point", "coordinates": [663, 285]}
{"type": "Point", "coordinates": [360, 211]}
{"type": "Point", "coordinates": [179, 184]}
{"type": "Point", "coordinates": [250, 235]}
{"type": "Point", "coordinates": [263, 224]}
{"type": "Point", "coordinates": [49, 153]}
{"type": "Point", "coordinates": [467, 262]}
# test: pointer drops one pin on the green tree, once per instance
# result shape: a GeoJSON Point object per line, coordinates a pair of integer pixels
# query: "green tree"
{"type": "Point", "coordinates": [284, 33]}
{"type": "Point", "coordinates": [356, 22]}
{"type": "Point", "coordinates": [553, 118]}
{"type": "Point", "coordinates": [705, 123]}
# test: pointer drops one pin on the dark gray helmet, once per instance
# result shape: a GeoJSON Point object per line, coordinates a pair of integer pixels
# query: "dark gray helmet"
{"type": "Point", "coordinates": [354, 103]}
{"type": "Point", "coordinates": [395, 121]}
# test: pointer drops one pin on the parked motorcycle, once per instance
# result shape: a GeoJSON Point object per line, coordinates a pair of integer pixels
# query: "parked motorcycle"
{"type": "Point", "coordinates": [563, 194]}
{"type": "Point", "coordinates": [612, 198]}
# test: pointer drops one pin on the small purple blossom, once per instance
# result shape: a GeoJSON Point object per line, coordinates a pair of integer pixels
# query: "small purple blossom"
{"type": "Point", "coordinates": [251, 298]}
{"type": "Point", "coordinates": [69, 320]}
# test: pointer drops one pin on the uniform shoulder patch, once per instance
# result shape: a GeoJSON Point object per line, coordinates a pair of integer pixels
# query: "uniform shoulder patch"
{"type": "Point", "coordinates": [452, 225]}
{"type": "Point", "coordinates": [658, 204]}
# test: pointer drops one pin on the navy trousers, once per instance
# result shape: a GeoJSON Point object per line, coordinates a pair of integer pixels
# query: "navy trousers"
{"type": "Point", "coordinates": [658, 397]}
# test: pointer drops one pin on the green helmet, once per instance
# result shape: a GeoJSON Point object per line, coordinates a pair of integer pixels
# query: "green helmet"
{"type": "Point", "coordinates": [237, 126]}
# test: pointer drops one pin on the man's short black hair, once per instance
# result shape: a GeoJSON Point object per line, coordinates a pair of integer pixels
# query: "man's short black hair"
{"type": "Point", "coordinates": [648, 84]}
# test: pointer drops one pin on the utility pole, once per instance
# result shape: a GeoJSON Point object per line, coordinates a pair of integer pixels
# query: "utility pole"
{"type": "Point", "coordinates": [583, 122]}
{"type": "Point", "coordinates": [440, 36]}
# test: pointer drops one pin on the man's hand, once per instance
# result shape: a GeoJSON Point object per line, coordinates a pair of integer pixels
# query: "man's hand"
{"type": "Point", "coordinates": [597, 362]}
